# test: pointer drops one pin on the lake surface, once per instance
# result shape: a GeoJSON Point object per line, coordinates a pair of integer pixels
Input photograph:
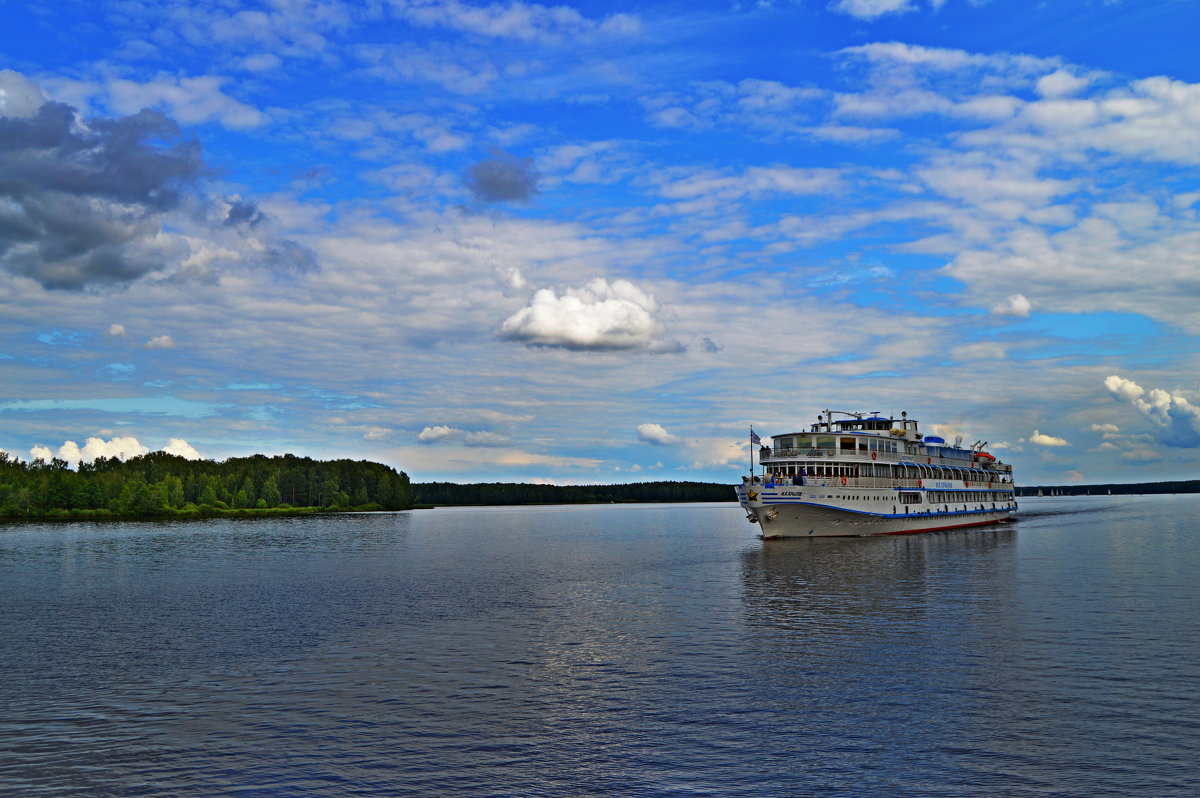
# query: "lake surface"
{"type": "Point", "coordinates": [654, 650]}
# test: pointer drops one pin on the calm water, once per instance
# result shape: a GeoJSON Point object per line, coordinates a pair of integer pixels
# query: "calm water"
{"type": "Point", "coordinates": [652, 650]}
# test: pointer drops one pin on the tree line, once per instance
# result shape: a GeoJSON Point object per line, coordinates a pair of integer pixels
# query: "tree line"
{"type": "Point", "coordinates": [161, 484]}
{"type": "Point", "coordinates": [1115, 488]}
{"type": "Point", "coordinates": [493, 493]}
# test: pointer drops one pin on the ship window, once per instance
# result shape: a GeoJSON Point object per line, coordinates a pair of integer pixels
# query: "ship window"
{"type": "Point", "coordinates": [824, 443]}
{"type": "Point", "coordinates": [804, 442]}
{"type": "Point", "coordinates": [848, 443]}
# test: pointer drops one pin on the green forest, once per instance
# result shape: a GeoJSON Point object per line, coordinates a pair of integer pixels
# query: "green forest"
{"type": "Point", "coordinates": [492, 493]}
{"type": "Point", "coordinates": [161, 484]}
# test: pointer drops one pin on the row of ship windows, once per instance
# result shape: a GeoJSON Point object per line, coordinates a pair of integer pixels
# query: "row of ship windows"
{"type": "Point", "coordinates": [884, 471]}
{"type": "Point", "coordinates": [934, 497]}
{"type": "Point", "coordinates": [980, 501]}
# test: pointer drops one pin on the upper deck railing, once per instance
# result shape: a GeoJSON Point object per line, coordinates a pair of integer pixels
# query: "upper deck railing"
{"type": "Point", "coordinates": [863, 455]}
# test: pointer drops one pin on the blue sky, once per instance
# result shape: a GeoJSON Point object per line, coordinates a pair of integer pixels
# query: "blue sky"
{"type": "Point", "coordinates": [595, 242]}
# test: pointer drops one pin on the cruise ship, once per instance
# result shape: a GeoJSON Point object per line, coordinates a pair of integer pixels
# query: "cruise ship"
{"type": "Point", "coordinates": [869, 475]}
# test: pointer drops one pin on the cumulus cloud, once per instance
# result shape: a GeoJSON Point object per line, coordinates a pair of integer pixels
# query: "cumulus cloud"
{"type": "Point", "coordinates": [655, 434]}
{"type": "Point", "coordinates": [180, 447]}
{"type": "Point", "coordinates": [1110, 428]}
{"type": "Point", "coordinates": [718, 453]}
{"type": "Point", "coordinates": [1061, 83]}
{"type": "Point", "coordinates": [503, 178]}
{"type": "Point", "coordinates": [82, 202]}
{"type": "Point", "coordinates": [440, 432]}
{"type": "Point", "coordinates": [121, 448]}
{"type": "Point", "coordinates": [446, 433]}
{"type": "Point", "coordinates": [160, 342]}
{"type": "Point", "coordinates": [1014, 305]}
{"type": "Point", "coordinates": [599, 316]}
{"type": "Point", "coordinates": [1041, 439]}
{"type": "Point", "coordinates": [1176, 420]}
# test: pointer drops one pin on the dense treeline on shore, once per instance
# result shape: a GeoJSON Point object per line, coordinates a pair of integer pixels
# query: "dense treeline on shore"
{"type": "Point", "coordinates": [161, 484]}
{"type": "Point", "coordinates": [1116, 489]}
{"type": "Point", "coordinates": [491, 493]}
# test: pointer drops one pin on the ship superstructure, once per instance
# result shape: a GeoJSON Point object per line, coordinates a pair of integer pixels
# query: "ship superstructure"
{"type": "Point", "coordinates": [870, 475]}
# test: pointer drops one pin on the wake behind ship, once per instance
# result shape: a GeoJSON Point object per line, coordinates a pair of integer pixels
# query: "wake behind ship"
{"type": "Point", "coordinates": [869, 475]}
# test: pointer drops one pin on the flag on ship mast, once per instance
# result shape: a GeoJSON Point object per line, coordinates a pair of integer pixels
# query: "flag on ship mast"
{"type": "Point", "coordinates": [753, 440]}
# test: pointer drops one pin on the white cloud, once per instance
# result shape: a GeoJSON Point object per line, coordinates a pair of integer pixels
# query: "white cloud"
{"type": "Point", "coordinates": [1175, 419]}
{"type": "Point", "coordinates": [1097, 265]}
{"type": "Point", "coordinates": [179, 446]}
{"type": "Point", "coordinates": [1061, 83]}
{"type": "Point", "coordinates": [446, 433]}
{"type": "Point", "coordinates": [873, 9]}
{"type": "Point", "coordinates": [766, 105]}
{"type": "Point", "coordinates": [485, 438]}
{"type": "Point", "coordinates": [515, 20]}
{"type": "Point", "coordinates": [438, 433]}
{"type": "Point", "coordinates": [656, 434]}
{"type": "Point", "coordinates": [120, 447]}
{"type": "Point", "coordinates": [1105, 428]}
{"type": "Point", "coordinates": [19, 96]}
{"type": "Point", "coordinates": [115, 331]}
{"type": "Point", "coordinates": [190, 101]}
{"type": "Point", "coordinates": [1014, 305]}
{"type": "Point", "coordinates": [1042, 439]}
{"type": "Point", "coordinates": [599, 316]}
{"type": "Point", "coordinates": [719, 453]}
{"type": "Point", "coordinates": [984, 350]}
{"type": "Point", "coordinates": [756, 181]}
{"type": "Point", "coordinates": [160, 342]}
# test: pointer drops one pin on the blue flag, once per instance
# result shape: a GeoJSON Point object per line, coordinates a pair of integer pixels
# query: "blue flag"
{"type": "Point", "coordinates": [754, 437]}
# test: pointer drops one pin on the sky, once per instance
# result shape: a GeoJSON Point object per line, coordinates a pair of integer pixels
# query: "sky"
{"type": "Point", "coordinates": [596, 242]}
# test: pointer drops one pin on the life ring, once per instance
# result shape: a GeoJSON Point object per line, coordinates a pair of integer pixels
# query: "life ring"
{"type": "Point", "coordinates": [966, 483]}
{"type": "Point", "coordinates": [928, 460]}
{"type": "Point", "coordinates": [872, 455]}
{"type": "Point", "coordinates": [843, 480]}
{"type": "Point", "coordinates": [920, 483]}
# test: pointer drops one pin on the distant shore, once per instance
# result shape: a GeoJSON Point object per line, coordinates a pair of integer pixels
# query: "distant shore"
{"type": "Point", "coordinates": [1114, 488]}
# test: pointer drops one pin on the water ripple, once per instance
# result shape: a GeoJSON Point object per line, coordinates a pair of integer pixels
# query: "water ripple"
{"type": "Point", "coordinates": [656, 651]}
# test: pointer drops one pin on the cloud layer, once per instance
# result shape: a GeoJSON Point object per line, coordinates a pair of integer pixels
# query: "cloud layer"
{"type": "Point", "coordinates": [83, 202]}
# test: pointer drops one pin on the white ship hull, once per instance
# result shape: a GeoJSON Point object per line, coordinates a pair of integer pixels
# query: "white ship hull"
{"type": "Point", "coordinates": [824, 510]}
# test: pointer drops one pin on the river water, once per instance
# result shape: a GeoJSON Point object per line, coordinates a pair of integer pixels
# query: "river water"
{"type": "Point", "coordinates": [652, 650]}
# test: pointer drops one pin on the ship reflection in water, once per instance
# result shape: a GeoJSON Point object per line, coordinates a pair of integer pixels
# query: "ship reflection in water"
{"type": "Point", "coordinates": [906, 639]}
{"type": "Point", "coordinates": [821, 583]}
